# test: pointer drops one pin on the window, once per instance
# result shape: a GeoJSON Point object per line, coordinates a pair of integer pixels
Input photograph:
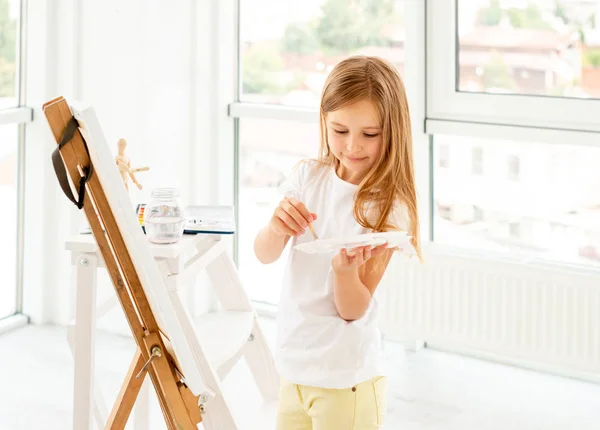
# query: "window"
{"type": "Point", "coordinates": [269, 149]}
{"type": "Point", "coordinates": [540, 213]}
{"type": "Point", "coordinates": [477, 161]}
{"type": "Point", "coordinates": [444, 211]}
{"type": "Point", "coordinates": [288, 47]}
{"type": "Point", "coordinates": [443, 156]}
{"type": "Point", "coordinates": [283, 66]}
{"type": "Point", "coordinates": [533, 63]}
{"type": "Point", "coordinates": [514, 167]}
{"type": "Point", "coordinates": [8, 219]}
{"type": "Point", "coordinates": [536, 47]}
{"type": "Point", "coordinates": [9, 20]}
{"type": "Point", "coordinates": [11, 132]}
{"type": "Point", "coordinates": [514, 229]}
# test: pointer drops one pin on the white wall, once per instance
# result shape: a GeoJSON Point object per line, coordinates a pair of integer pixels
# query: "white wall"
{"type": "Point", "coordinates": [148, 70]}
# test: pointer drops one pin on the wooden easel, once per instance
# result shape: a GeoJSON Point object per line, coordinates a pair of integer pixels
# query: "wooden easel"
{"type": "Point", "coordinates": [154, 356]}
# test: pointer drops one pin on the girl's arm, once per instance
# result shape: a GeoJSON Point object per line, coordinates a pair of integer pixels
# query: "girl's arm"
{"type": "Point", "coordinates": [269, 245]}
{"type": "Point", "coordinates": [289, 219]}
{"type": "Point", "coordinates": [356, 275]}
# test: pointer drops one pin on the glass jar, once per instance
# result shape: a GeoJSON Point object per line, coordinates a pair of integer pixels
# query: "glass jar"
{"type": "Point", "coordinates": [163, 216]}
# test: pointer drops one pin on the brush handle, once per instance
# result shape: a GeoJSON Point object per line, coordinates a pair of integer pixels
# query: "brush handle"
{"type": "Point", "coordinates": [312, 230]}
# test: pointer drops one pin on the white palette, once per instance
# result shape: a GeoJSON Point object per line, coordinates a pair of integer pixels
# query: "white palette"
{"type": "Point", "coordinates": [393, 238]}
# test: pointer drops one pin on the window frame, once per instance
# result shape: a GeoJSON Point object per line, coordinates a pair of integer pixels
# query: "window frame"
{"type": "Point", "coordinates": [16, 115]}
{"type": "Point", "coordinates": [445, 102]}
{"type": "Point", "coordinates": [515, 133]}
{"type": "Point", "coordinates": [414, 76]}
{"type": "Point", "coordinates": [20, 116]}
{"type": "Point", "coordinates": [437, 108]}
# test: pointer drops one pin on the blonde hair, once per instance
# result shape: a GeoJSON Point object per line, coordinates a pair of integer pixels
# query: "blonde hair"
{"type": "Point", "coordinates": [392, 177]}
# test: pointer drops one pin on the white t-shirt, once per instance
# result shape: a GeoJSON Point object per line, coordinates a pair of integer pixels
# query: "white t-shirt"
{"type": "Point", "coordinates": [315, 346]}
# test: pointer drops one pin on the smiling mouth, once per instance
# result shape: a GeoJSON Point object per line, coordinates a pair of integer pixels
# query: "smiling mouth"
{"type": "Point", "coordinates": [356, 159]}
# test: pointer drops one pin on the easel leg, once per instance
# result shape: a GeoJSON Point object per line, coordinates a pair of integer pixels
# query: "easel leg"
{"type": "Point", "coordinates": [127, 395]}
{"type": "Point", "coordinates": [142, 419]}
{"type": "Point", "coordinates": [218, 415]}
{"type": "Point", "coordinates": [232, 296]}
{"type": "Point", "coordinates": [85, 320]}
{"type": "Point", "coordinates": [257, 354]}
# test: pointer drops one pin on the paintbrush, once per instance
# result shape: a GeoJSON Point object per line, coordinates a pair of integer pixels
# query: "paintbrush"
{"type": "Point", "coordinates": [312, 230]}
{"type": "Point", "coordinates": [288, 191]}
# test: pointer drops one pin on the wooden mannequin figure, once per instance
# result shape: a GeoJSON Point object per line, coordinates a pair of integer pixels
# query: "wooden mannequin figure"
{"type": "Point", "coordinates": [124, 165]}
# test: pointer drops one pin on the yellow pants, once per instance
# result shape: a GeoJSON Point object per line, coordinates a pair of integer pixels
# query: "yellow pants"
{"type": "Point", "coordinates": [361, 407]}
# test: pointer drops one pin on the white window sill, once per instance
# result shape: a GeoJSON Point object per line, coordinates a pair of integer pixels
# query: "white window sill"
{"type": "Point", "coordinates": [13, 322]}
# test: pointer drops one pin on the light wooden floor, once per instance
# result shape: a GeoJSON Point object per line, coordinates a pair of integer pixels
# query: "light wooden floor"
{"type": "Point", "coordinates": [428, 389]}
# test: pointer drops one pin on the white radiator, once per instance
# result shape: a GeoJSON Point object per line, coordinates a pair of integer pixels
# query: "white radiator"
{"type": "Point", "coordinates": [536, 314]}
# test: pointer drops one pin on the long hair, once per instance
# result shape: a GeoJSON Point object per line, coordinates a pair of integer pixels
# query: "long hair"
{"type": "Point", "coordinates": [392, 177]}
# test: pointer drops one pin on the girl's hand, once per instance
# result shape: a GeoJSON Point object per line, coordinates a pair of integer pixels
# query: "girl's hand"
{"type": "Point", "coordinates": [348, 260]}
{"type": "Point", "coordinates": [291, 218]}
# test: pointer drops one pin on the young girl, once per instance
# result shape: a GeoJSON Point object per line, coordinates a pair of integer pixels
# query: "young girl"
{"type": "Point", "coordinates": [328, 349]}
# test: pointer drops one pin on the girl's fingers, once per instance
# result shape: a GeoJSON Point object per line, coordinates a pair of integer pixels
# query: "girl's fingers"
{"type": "Point", "coordinates": [301, 210]}
{"type": "Point", "coordinates": [349, 257]}
{"type": "Point", "coordinates": [295, 214]}
{"type": "Point", "coordinates": [284, 228]}
{"type": "Point", "coordinates": [343, 257]}
{"type": "Point", "coordinates": [378, 251]}
{"type": "Point", "coordinates": [289, 221]}
{"type": "Point", "coordinates": [288, 224]}
{"type": "Point", "coordinates": [357, 255]}
{"type": "Point", "coordinates": [379, 247]}
{"type": "Point", "coordinates": [366, 253]}
{"type": "Point", "coordinates": [358, 250]}
{"type": "Point", "coordinates": [359, 259]}
{"type": "Point", "coordinates": [360, 255]}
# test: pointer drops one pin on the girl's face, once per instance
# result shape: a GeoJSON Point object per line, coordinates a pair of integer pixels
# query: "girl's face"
{"type": "Point", "coordinates": [354, 137]}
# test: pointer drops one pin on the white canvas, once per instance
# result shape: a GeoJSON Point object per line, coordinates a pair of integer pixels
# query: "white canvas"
{"type": "Point", "coordinates": [137, 245]}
